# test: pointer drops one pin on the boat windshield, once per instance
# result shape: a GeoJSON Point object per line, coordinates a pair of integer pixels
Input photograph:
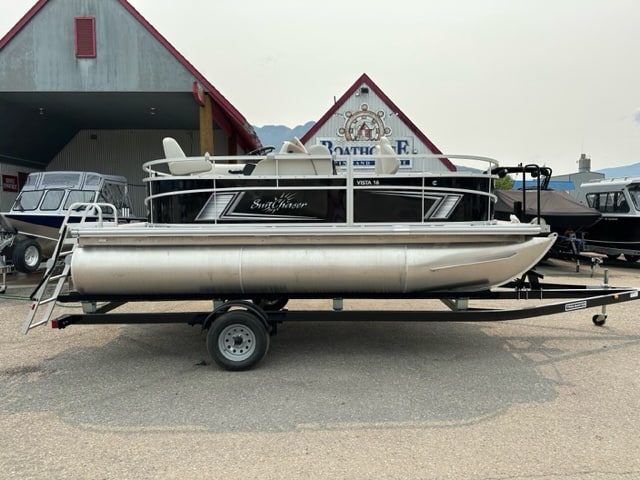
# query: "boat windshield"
{"type": "Point", "coordinates": [49, 200]}
{"type": "Point", "coordinates": [115, 194]}
{"type": "Point", "coordinates": [28, 200]}
{"type": "Point", "coordinates": [634, 191]}
{"type": "Point", "coordinates": [79, 196]}
{"type": "Point", "coordinates": [52, 200]}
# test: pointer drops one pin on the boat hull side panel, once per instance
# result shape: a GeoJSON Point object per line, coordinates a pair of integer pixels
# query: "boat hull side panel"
{"type": "Point", "coordinates": [620, 232]}
{"type": "Point", "coordinates": [282, 269]}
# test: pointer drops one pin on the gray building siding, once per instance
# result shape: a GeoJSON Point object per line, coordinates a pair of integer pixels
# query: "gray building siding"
{"type": "Point", "coordinates": [123, 152]}
{"type": "Point", "coordinates": [129, 57]}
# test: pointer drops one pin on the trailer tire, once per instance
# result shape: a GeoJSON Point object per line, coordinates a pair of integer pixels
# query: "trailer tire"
{"type": "Point", "coordinates": [26, 256]}
{"type": "Point", "coordinates": [237, 340]}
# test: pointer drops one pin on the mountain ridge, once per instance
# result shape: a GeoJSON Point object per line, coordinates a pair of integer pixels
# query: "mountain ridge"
{"type": "Point", "coordinates": [632, 170]}
{"type": "Point", "coordinates": [276, 134]}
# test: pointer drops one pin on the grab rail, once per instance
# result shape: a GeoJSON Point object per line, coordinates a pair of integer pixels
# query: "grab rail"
{"type": "Point", "coordinates": [89, 208]}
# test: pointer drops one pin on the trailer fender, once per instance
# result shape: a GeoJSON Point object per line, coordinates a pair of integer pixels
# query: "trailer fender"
{"type": "Point", "coordinates": [240, 305]}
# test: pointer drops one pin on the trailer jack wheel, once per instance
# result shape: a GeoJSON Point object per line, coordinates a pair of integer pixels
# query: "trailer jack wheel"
{"type": "Point", "coordinates": [237, 340]}
{"type": "Point", "coordinates": [599, 319]}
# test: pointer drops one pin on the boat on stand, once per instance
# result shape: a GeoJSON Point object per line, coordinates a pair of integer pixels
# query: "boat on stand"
{"type": "Point", "coordinates": [299, 223]}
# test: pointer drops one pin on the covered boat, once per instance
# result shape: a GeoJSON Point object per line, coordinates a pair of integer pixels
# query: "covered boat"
{"type": "Point", "coordinates": [561, 212]}
{"type": "Point", "coordinates": [295, 223]}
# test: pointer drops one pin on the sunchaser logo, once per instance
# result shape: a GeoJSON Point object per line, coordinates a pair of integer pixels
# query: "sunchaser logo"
{"type": "Point", "coordinates": [286, 201]}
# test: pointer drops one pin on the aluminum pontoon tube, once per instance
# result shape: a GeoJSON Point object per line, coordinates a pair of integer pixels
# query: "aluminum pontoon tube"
{"type": "Point", "coordinates": [300, 268]}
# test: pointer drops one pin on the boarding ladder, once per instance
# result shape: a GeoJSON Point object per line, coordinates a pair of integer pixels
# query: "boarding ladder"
{"type": "Point", "coordinates": [56, 274]}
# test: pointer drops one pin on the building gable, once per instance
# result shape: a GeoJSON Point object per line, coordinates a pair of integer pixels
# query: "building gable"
{"type": "Point", "coordinates": [362, 115]}
{"type": "Point", "coordinates": [125, 57]}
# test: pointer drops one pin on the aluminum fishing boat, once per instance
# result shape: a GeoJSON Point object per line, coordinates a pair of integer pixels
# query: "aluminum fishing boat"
{"type": "Point", "coordinates": [31, 227]}
{"type": "Point", "coordinates": [297, 222]}
{"type": "Point", "coordinates": [618, 200]}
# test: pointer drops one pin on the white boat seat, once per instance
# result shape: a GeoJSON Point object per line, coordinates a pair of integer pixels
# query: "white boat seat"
{"type": "Point", "coordinates": [318, 150]}
{"type": "Point", "coordinates": [294, 146]}
{"type": "Point", "coordinates": [319, 154]}
{"type": "Point", "coordinates": [295, 159]}
{"type": "Point", "coordinates": [183, 165]}
{"type": "Point", "coordinates": [385, 165]}
{"type": "Point", "coordinates": [294, 164]}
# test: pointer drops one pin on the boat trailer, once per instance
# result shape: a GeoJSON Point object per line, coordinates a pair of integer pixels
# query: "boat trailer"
{"type": "Point", "coordinates": [239, 330]}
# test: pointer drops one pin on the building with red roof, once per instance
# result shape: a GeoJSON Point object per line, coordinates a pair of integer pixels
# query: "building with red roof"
{"type": "Point", "coordinates": [92, 85]}
{"type": "Point", "coordinates": [364, 114]}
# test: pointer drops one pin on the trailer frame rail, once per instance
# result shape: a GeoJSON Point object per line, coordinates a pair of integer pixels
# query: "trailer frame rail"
{"type": "Point", "coordinates": [576, 298]}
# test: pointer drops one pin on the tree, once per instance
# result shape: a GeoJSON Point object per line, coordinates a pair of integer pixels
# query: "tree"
{"type": "Point", "coordinates": [504, 183]}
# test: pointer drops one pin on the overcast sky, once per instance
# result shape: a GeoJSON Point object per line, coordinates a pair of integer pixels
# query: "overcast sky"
{"type": "Point", "coordinates": [534, 81]}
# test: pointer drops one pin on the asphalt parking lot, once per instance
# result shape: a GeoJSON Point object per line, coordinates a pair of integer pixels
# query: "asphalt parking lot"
{"type": "Point", "coordinates": [553, 397]}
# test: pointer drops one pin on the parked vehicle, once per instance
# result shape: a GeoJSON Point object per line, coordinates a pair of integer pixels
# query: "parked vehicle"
{"type": "Point", "coordinates": [31, 227]}
{"type": "Point", "coordinates": [618, 232]}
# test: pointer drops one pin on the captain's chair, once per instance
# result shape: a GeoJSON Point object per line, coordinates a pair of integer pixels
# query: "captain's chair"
{"type": "Point", "coordinates": [385, 165]}
{"type": "Point", "coordinates": [295, 159]}
{"type": "Point", "coordinates": [181, 164]}
{"type": "Point", "coordinates": [321, 159]}
{"type": "Point", "coordinates": [294, 146]}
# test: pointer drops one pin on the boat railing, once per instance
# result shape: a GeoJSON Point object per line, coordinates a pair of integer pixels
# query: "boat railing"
{"type": "Point", "coordinates": [349, 173]}
{"type": "Point", "coordinates": [349, 165]}
{"type": "Point", "coordinates": [161, 167]}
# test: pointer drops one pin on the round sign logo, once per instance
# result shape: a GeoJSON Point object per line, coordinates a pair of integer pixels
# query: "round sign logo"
{"type": "Point", "coordinates": [364, 125]}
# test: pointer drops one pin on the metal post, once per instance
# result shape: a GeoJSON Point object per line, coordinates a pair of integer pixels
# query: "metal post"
{"type": "Point", "coordinates": [338, 304]}
{"type": "Point", "coordinates": [606, 285]}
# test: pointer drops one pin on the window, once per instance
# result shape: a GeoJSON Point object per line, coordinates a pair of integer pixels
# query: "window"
{"type": "Point", "coordinates": [52, 200]}
{"type": "Point", "coordinates": [609, 202]}
{"type": "Point", "coordinates": [634, 191]}
{"type": "Point", "coordinates": [79, 196]}
{"type": "Point", "coordinates": [621, 203]}
{"type": "Point", "coordinates": [28, 200]}
{"type": "Point", "coordinates": [85, 37]}
{"type": "Point", "coordinates": [114, 194]}
{"type": "Point", "coordinates": [60, 179]}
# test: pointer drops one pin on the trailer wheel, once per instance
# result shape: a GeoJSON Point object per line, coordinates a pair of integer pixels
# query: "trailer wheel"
{"type": "Point", "coordinates": [270, 304]}
{"type": "Point", "coordinates": [599, 319]}
{"type": "Point", "coordinates": [237, 340]}
{"type": "Point", "coordinates": [26, 256]}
